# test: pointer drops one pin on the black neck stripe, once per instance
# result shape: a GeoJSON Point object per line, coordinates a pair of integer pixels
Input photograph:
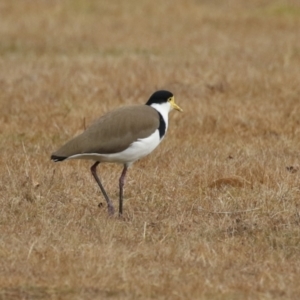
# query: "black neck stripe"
{"type": "Point", "coordinates": [162, 126]}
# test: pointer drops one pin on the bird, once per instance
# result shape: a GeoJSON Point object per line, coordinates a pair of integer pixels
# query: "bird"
{"type": "Point", "coordinates": [123, 135]}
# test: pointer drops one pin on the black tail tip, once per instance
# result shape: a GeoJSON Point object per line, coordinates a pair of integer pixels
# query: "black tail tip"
{"type": "Point", "coordinates": [57, 158]}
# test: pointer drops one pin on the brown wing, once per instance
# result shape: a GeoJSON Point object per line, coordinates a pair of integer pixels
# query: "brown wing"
{"type": "Point", "coordinates": [113, 132]}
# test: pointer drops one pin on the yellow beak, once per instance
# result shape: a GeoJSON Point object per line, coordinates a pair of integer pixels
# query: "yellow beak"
{"type": "Point", "coordinates": [174, 105]}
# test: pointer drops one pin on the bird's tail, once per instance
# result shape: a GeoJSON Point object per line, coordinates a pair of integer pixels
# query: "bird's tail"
{"type": "Point", "coordinates": [57, 158]}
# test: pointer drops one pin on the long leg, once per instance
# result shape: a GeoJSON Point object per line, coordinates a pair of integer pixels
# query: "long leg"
{"type": "Point", "coordinates": [121, 185]}
{"type": "Point", "coordinates": [110, 206]}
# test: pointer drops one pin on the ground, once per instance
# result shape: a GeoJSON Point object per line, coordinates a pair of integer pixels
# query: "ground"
{"type": "Point", "coordinates": [213, 212]}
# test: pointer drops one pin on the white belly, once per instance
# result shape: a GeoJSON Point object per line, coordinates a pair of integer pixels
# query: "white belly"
{"type": "Point", "coordinates": [135, 151]}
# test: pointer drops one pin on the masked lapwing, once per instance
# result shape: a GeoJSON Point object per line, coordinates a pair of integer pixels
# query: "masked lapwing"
{"type": "Point", "coordinates": [123, 135]}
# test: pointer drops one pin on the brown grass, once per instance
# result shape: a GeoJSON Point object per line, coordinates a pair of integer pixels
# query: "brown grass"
{"type": "Point", "coordinates": [213, 213]}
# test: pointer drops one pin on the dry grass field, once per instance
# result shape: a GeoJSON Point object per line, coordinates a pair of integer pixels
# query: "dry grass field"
{"type": "Point", "coordinates": [213, 212]}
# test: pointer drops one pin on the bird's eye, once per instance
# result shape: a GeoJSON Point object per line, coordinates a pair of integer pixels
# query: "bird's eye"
{"type": "Point", "coordinates": [170, 99]}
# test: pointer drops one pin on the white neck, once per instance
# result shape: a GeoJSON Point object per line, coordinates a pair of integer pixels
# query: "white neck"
{"type": "Point", "coordinates": [164, 110]}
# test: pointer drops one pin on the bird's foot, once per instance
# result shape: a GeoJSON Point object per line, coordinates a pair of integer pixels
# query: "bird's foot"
{"type": "Point", "coordinates": [111, 210]}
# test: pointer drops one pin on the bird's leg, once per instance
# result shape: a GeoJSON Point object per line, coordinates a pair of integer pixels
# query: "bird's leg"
{"type": "Point", "coordinates": [110, 206]}
{"type": "Point", "coordinates": [121, 185]}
